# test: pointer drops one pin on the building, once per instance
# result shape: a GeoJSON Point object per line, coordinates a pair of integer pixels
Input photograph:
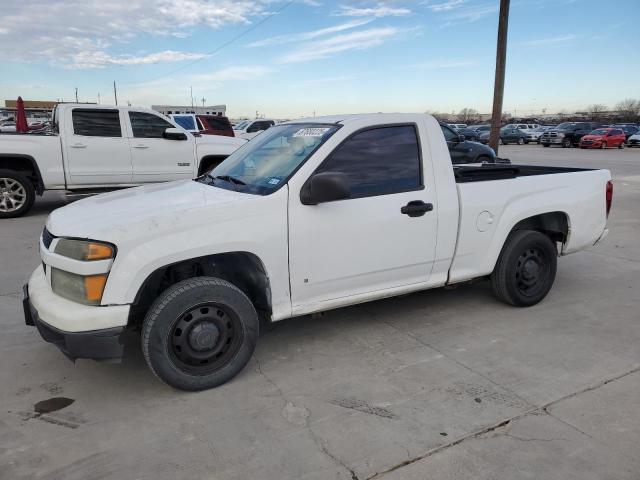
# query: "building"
{"type": "Point", "coordinates": [204, 110]}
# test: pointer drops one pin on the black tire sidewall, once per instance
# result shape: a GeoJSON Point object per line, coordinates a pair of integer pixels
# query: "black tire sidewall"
{"type": "Point", "coordinates": [28, 188]}
{"type": "Point", "coordinates": [516, 243]}
{"type": "Point", "coordinates": [166, 310]}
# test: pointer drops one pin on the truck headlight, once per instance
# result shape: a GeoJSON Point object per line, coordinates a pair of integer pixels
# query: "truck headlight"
{"type": "Point", "coordinates": [82, 289]}
{"type": "Point", "coordinates": [84, 250]}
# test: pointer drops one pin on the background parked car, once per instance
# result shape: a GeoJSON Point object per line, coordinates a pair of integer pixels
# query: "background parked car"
{"type": "Point", "coordinates": [464, 151]}
{"type": "Point", "coordinates": [513, 135]}
{"type": "Point", "coordinates": [628, 130]}
{"type": "Point", "coordinates": [470, 133]}
{"type": "Point", "coordinates": [250, 128]}
{"type": "Point", "coordinates": [634, 140]}
{"type": "Point", "coordinates": [534, 134]}
{"type": "Point", "coordinates": [568, 134]}
{"type": "Point", "coordinates": [457, 126]}
{"type": "Point", "coordinates": [204, 124]}
{"type": "Point", "coordinates": [603, 138]}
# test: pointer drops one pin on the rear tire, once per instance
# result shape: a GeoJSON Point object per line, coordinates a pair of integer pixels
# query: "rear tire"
{"type": "Point", "coordinates": [199, 333]}
{"type": "Point", "coordinates": [621, 146]}
{"type": "Point", "coordinates": [520, 141]}
{"type": "Point", "coordinates": [17, 194]}
{"type": "Point", "coordinates": [603, 145]}
{"type": "Point", "coordinates": [545, 145]}
{"type": "Point", "coordinates": [526, 268]}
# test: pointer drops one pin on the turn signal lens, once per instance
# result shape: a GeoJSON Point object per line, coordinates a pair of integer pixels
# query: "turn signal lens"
{"type": "Point", "coordinates": [83, 250]}
{"type": "Point", "coordinates": [93, 288]}
{"type": "Point", "coordinates": [86, 290]}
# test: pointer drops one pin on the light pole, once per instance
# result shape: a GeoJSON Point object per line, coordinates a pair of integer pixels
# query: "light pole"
{"type": "Point", "coordinates": [498, 89]}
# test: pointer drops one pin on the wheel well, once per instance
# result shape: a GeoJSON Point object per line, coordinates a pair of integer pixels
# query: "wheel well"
{"type": "Point", "coordinates": [553, 224]}
{"type": "Point", "coordinates": [209, 162]}
{"type": "Point", "coordinates": [23, 164]}
{"type": "Point", "coordinates": [243, 269]}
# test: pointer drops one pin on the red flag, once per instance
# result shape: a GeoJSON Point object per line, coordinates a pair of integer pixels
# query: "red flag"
{"type": "Point", "coordinates": [21, 117]}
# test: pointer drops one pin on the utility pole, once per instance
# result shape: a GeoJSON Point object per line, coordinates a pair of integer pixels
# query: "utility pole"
{"type": "Point", "coordinates": [115, 92]}
{"type": "Point", "coordinates": [498, 89]}
{"type": "Point", "coordinates": [191, 88]}
{"type": "Point", "coordinates": [98, 98]}
{"type": "Point", "coordinates": [203, 100]}
{"type": "Point", "coordinates": [76, 94]}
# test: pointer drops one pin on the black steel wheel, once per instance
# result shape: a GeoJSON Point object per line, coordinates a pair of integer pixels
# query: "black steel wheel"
{"type": "Point", "coordinates": [526, 268]}
{"type": "Point", "coordinates": [199, 333]}
{"type": "Point", "coordinates": [205, 338]}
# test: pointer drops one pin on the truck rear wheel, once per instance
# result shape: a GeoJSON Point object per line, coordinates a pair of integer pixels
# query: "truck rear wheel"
{"type": "Point", "coordinates": [17, 194]}
{"type": "Point", "coordinates": [526, 268]}
{"type": "Point", "coordinates": [200, 333]}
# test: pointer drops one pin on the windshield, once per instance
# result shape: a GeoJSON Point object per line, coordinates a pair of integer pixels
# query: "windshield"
{"type": "Point", "coordinates": [265, 163]}
{"type": "Point", "coordinates": [241, 125]}
{"type": "Point", "coordinates": [599, 131]}
{"type": "Point", "coordinates": [565, 126]}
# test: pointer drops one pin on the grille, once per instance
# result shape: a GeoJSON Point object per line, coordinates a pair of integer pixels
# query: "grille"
{"type": "Point", "coordinates": [47, 238]}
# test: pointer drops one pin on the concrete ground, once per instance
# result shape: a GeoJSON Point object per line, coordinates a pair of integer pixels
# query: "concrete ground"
{"type": "Point", "coordinates": [444, 384]}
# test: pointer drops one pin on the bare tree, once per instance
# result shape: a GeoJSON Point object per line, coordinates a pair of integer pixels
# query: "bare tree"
{"type": "Point", "coordinates": [468, 115]}
{"type": "Point", "coordinates": [596, 110]}
{"type": "Point", "coordinates": [629, 108]}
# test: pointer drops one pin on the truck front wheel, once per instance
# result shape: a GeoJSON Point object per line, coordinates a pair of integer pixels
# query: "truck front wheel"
{"type": "Point", "coordinates": [200, 333]}
{"type": "Point", "coordinates": [526, 268]}
{"type": "Point", "coordinates": [17, 194]}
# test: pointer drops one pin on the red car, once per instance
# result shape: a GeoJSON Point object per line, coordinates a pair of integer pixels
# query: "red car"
{"type": "Point", "coordinates": [214, 125]}
{"type": "Point", "coordinates": [603, 138]}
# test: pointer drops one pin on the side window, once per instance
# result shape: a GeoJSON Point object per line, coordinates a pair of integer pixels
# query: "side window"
{"type": "Point", "coordinates": [449, 135]}
{"type": "Point", "coordinates": [148, 125]}
{"type": "Point", "coordinates": [380, 161]}
{"type": "Point", "coordinates": [254, 127]}
{"type": "Point", "coordinates": [96, 122]}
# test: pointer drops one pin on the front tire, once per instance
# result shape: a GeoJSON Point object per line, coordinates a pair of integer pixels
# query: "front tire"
{"type": "Point", "coordinates": [17, 194]}
{"type": "Point", "coordinates": [603, 145]}
{"type": "Point", "coordinates": [566, 143]}
{"type": "Point", "coordinates": [526, 268]}
{"type": "Point", "coordinates": [199, 333]}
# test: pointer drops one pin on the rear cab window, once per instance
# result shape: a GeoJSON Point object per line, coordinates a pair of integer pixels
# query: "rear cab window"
{"type": "Point", "coordinates": [91, 122]}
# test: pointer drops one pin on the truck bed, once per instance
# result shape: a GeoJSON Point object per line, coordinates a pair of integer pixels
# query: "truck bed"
{"type": "Point", "coordinates": [486, 172]}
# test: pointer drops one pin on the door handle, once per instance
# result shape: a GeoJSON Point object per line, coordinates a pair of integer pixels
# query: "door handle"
{"type": "Point", "coordinates": [78, 145]}
{"type": "Point", "coordinates": [416, 208]}
{"type": "Point", "coordinates": [141, 146]}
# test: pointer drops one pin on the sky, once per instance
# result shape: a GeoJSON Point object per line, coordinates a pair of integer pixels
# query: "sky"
{"type": "Point", "coordinates": [287, 59]}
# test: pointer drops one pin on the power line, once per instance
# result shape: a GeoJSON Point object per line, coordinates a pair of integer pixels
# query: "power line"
{"type": "Point", "coordinates": [227, 43]}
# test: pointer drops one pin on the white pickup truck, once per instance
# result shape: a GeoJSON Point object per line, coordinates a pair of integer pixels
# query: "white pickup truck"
{"type": "Point", "coordinates": [96, 148]}
{"type": "Point", "coordinates": [309, 216]}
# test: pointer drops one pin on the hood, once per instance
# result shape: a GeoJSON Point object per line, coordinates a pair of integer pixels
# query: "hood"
{"type": "Point", "coordinates": [159, 207]}
{"type": "Point", "coordinates": [593, 137]}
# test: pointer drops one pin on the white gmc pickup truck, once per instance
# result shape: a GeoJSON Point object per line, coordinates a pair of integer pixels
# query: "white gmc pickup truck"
{"type": "Point", "coordinates": [96, 148]}
{"type": "Point", "coordinates": [309, 216]}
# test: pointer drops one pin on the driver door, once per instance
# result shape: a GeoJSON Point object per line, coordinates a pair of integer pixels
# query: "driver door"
{"type": "Point", "coordinates": [155, 158]}
{"type": "Point", "coordinates": [365, 243]}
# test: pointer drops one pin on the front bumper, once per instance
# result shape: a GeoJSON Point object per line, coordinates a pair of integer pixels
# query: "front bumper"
{"type": "Point", "coordinates": [104, 344]}
{"type": "Point", "coordinates": [552, 141]}
{"type": "Point", "coordinates": [80, 331]}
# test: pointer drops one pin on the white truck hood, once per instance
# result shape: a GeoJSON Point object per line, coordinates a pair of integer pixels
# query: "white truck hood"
{"type": "Point", "coordinates": [142, 210]}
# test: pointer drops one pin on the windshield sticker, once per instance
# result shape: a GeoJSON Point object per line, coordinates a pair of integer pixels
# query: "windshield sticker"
{"type": "Point", "coordinates": [311, 132]}
{"type": "Point", "coordinates": [274, 181]}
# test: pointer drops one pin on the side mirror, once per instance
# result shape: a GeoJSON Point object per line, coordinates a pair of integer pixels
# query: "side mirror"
{"type": "Point", "coordinates": [172, 133]}
{"type": "Point", "coordinates": [325, 187]}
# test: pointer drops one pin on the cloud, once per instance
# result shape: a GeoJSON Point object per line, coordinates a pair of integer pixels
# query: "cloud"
{"type": "Point", "coordinates": [550, 40]}
{"type": "Point", "coordinates": [99, 59]}
{"type": "Point", "coordinates": [359, 40]}
{"type": "Point", "coordinates": [302, 36]}
{"type": "Point", "coordinates": [314, 82]}
{"type": "Point", "coordinates": [444, 64]}
{"type": "Point", "coordinates": [444, 6]}
{"type": "Point", "coordinates": [469, 14]}
{"type": "Point", "coordinates": [379, 10]}
{"type": "Point", "coordinates": [61, 32]}
{"type": "Point", "coordinates": [234, 73]}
